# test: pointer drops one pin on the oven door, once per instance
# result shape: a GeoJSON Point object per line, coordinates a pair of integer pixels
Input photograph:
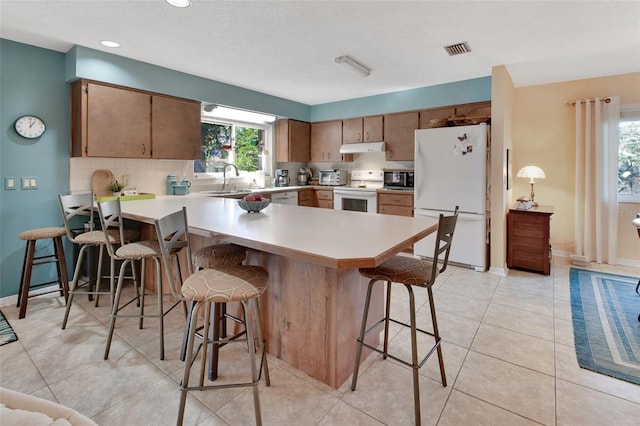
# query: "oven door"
{"type": "Point", "coordinates": [359, 201]}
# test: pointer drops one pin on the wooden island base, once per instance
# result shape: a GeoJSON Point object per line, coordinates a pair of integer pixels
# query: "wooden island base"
{"type": "Point", "coordinates": [312, 315]}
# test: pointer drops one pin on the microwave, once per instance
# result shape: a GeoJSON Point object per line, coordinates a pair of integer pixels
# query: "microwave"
{"type": "Point", "coordinates": [398, 179]}
{"type": "Point", "coordinates": [333, 177]}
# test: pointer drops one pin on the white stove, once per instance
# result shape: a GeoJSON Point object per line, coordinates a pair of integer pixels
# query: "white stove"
{"type": "Point", "coordinates": [360, 195]}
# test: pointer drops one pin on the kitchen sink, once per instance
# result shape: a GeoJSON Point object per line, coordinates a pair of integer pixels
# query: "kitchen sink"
{"type": "Point", "coordinates": [233, 193]}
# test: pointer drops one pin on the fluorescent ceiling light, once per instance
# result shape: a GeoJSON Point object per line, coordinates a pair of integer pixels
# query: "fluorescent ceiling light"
{"type": "Point", "coordinates": [109, 43]}
{"type": "Point", "coordinates": [179, 3]}
{"type": "Point", "coordinates": [355, 65]}
{"type": "Point", "coordinates": [212, 111]}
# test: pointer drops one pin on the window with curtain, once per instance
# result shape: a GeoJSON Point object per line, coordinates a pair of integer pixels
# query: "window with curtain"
{"type": "Point", "coordinates": [629, 155]}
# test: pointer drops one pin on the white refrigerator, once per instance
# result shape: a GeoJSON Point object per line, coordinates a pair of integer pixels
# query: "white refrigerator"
{"type": "Point", "coordinates": [451, 169]}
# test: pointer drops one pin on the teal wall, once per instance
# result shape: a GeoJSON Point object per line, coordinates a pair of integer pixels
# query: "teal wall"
{"type": "Point", "coordinates": [31, 82]}
{"type": "Point", "coordinates": [36, 81]}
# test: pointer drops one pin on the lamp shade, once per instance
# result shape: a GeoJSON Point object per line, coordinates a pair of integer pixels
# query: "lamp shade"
{"type": "Point", "coordinates": [531, 172]}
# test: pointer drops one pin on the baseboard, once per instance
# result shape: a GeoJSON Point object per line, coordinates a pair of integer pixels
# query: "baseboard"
{"type": "Point", "coordinates": [13, 299]}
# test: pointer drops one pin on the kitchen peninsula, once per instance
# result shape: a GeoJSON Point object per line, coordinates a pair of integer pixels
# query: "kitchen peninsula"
{"type": "Point", "coordinates": [312, 309]}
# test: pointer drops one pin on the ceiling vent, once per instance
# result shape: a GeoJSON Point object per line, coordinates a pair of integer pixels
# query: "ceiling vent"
{"type": "Point", "coordinates": [457, 49]}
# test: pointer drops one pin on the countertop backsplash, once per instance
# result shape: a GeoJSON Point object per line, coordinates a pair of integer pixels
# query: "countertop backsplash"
{"type": "Point", "coordinates": [148, 176]}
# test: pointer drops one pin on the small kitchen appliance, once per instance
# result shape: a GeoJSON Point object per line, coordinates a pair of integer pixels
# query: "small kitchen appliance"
{"type": "Point", "coordinates": [398, 179]}
{"type": "Point", "coordinates": [304, 175]}
{"type": "Point", "coordinates": [282, 177]}
{"type": "Point", "coordinates": [333, 177]}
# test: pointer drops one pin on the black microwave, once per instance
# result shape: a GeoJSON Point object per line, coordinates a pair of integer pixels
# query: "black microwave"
{"type": "Point", "coordinates": [398, 179]}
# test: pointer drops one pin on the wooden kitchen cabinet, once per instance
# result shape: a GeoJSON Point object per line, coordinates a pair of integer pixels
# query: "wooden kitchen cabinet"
{"type": "Point", "coordinates": [326, 138]}
{"type": "Point", "coordinates": [175, 128]}
{"type": "Point", "coordinates": [113, 121]}
{"type": "Point", "coordinates": [325, 198]}
{"type": "Point", "coordinates": [528, 239]}
{"type": "Point", "coordinates": [305, 198]}
{"type": "Point", "coordinates": [435, 114]}
{"type": "Point", "coordinates": [109, 121]}
{"type": "Point", "coordinates": [399, 135]}
{"type": "Point", "coordinates": [396, 203]}
{"type": "Point", "coordinates": [293, 140]}
{"type": "Point", "coordinates": [362, 129]}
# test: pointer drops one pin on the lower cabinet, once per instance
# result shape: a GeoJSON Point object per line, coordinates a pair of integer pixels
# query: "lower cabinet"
{"type": "Point", "coordinates": [528, 239]}
{"type": "Point", "coordinates": [305, 197]}
{"type": "Point", "coordinates": [325, 198]}
{"type": "Point", "coordinates": [396, 203]}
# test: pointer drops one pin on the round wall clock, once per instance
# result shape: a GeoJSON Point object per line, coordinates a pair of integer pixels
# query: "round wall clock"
{"type": "Point", "coordinates": [29, 126]}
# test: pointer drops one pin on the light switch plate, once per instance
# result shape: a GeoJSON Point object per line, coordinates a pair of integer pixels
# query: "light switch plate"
{"type": "Point", "coordinates": [10, 183]}
{"type": "Point", "coordinates": [29, 183]}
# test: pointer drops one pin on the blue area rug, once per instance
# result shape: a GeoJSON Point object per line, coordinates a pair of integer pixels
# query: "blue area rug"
{"type": "Point", "coordinates": [606, 330]}
{"type": "Point", "coordinates": [7, 335]}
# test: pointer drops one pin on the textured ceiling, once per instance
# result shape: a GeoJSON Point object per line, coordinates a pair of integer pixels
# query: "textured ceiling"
{"type": "Point", "coordinates": [287, 48]}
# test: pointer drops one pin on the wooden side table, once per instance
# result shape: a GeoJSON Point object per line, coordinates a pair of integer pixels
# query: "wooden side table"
{"type": "Point", "coordinates": [528, 239]}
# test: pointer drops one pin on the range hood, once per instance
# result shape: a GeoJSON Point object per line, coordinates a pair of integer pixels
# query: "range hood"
{"type": "Point", "coordinates": [355, 148]}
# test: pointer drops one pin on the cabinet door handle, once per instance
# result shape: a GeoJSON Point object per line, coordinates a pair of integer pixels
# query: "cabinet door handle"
{"type": "Point", "coordinates": [144, 149]}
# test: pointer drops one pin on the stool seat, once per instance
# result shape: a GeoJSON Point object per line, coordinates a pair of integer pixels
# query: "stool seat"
{"type": "Point", "coordinates": [402, 269]}
{"type": "Point", "coordinates": [238, 284]}
{"type": "Point", "coordinates": [218, 256]}
{"type": "Point", "coordinates": [31, 236]}
{"type": "Point", "coordinates": [43, 233]}
{"type": "Point", "coordinates": [139, 250]}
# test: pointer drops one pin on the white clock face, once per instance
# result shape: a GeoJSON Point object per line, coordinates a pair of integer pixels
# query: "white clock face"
{"type": "Point", "coordinates": [29, 126]}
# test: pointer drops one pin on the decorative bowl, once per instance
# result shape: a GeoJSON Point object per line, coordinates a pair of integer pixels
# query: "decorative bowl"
{"type": "Point", "coordinates": [253, 206]}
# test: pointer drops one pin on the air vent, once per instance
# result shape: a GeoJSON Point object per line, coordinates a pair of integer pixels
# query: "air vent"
{"type": "Point", "coordinates": [457, 49]}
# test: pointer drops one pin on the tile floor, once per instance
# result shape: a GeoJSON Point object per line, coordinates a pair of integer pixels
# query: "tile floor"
{"type": "Point", "coordinates": [508, 348]}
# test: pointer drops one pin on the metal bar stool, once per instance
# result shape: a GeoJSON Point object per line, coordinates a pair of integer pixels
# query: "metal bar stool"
{"type": "Point", "coordinates": [81, 205]}
{"type": "Point", "coordinates": [242, 284]}
{"type": "Point", "coordinates": [409, 272]}
{"type": "Point", "coordinates": [216, 256]}
{"type": "Point", "coordinates": [110, 213]}
{"type": "Point", "coordinates": [31, 260]}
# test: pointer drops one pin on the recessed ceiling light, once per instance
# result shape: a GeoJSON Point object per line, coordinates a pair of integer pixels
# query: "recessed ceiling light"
{"type": "Point", "coordinates": [179, 3]}
{"type": "Point", "coordinates": [109, 43]}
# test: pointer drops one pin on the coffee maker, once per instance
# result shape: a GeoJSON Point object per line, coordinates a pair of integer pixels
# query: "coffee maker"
{"type": "Point", "coordinates": [282, 177]}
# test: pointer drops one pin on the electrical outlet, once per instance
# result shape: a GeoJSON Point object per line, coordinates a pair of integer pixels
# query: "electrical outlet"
{"type": "Point", "coordinates": [29, 183]}
{"type": "Point", "coordinates": [10, 183]}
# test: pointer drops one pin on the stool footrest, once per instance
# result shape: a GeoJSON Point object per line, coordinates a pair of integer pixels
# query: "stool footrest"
{"type": "Point", "coordinates": [426, 357]}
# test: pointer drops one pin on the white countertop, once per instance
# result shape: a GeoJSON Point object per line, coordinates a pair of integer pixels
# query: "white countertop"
{"type": "Point", "coordinates": [333, 238]}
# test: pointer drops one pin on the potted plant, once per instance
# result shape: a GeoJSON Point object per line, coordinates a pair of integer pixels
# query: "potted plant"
{"type": "Point", "coordinates": [116, 187]}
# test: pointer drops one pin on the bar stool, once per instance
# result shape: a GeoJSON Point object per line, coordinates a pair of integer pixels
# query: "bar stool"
{"type": "Point", "coordinates": [30, 260]}
{"type": "Point", "coordinates": [81, 205]}
{"type": "Point", "coordinates": [242, 284]}
{"type": "Point", "coordinates": [409, 272]}
{"type": "Point", "coordinates": [215, 256]}
{"type": "Point", "coordinates": [110, 213]}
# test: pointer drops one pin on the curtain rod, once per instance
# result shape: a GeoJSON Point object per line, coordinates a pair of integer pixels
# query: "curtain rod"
{"type": "Point", "coordinates": [605, 100]}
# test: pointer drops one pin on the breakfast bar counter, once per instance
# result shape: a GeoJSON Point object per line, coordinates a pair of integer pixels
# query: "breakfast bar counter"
{"type": "Point", "coordinates": [312, 308]}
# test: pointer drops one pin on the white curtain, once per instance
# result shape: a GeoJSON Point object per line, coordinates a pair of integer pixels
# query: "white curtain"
{"type": "Point", "coordinates": [596, 220]}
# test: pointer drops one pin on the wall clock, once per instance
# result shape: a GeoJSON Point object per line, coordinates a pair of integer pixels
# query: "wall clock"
{"type": "Point", "coordinates": [29, 126]}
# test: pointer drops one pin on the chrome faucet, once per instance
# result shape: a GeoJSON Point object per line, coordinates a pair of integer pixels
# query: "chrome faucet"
{"type": "Point", "coordinates": [224, 174]}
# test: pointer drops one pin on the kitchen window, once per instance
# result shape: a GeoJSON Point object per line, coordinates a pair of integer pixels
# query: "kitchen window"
{"type": "Point", "coordinates": [227, 141]}
{"type": "Point", "coordinates": [629, 155]}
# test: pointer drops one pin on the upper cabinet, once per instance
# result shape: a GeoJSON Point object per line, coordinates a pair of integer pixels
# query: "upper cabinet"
{"type": "Point", "coordinates": [436, 117]}
{"type": "Point", "coordinates": [111, 121]}
{"type": "Point", "coordinates": [175, 128]}
{"type": "Point", "coordinates": [362, 129]}
{"type": "Point", "coordinates": [399, 135]}
{"type": "Point", "coordinates": [326, 138]}
{"type": "Point", "coordinates": [293, 139]}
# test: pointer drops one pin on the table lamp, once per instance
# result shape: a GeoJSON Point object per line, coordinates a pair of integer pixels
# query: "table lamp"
{"type": "Point", "coordinates": [531, 172]}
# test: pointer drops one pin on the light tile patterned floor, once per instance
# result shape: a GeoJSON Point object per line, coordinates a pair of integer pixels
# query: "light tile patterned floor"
{"type": "Point", "coordinates": [508, 351]}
